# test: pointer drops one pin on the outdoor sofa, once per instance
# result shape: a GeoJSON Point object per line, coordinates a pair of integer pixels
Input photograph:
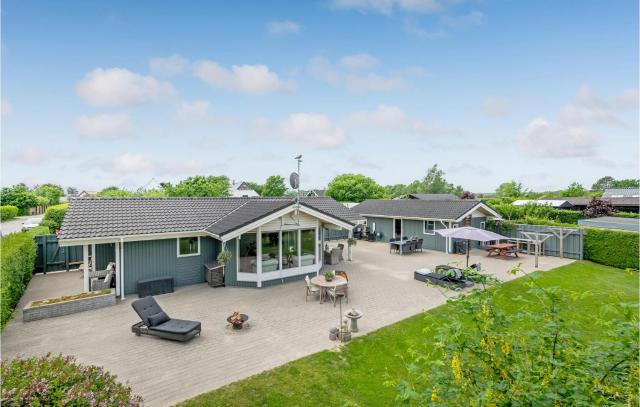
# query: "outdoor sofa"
{"type": "Point", "coordinates": [156, 322]}
{"type": "Point", "coordinates": [446, 276]}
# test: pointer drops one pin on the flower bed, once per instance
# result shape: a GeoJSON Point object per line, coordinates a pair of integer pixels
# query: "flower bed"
{"type": "Point", "coordinates": [66, 305]}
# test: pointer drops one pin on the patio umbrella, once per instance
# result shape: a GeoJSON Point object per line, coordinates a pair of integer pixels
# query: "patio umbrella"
{"type": "Point", "coordinates": [470, 233]}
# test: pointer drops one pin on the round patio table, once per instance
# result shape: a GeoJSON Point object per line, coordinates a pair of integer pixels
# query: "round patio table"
{"type": "Point", "coordinates": [321, 282]}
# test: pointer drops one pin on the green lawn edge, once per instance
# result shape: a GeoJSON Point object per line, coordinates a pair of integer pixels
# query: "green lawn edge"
{"type": "Point", "coordinates": [355, 374]}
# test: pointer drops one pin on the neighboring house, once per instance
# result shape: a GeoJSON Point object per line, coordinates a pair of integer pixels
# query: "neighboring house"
{"type": "Point", "coordinates": [554, 203]}
{"type": "Point", "coordinates": [611, 222]}
{"type": "Point", "coordinates": [432, 197]}
{"type": "Point", "coordinates": [625, 204]}
{"type": "Point", "coordinates": [84, 194]}
{"type": "Point", "coordinates": [421, 218]}
{"type": "Point", "coordinates": [621, 193]}
{"type": "Point", "coordinates": [242, 190]}
{"type": "Point", "coordinates": [315, 192]}
{"type": "Point", "coordinates": [271, 240]}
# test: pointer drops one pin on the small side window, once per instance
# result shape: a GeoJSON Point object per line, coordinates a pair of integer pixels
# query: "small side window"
{"type": "Point", "coordinates": [188, 246]}
{"type": "Point", "coordinates": [429, 227]}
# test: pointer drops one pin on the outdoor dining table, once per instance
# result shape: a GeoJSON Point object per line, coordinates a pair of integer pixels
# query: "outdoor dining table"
{"type": "Point", "coordinates": [502, 249]}
{"type": "Point", "coordinates": [321, 282]}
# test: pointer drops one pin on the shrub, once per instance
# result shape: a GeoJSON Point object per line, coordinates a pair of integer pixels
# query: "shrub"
{"type": "Point", "coordinates": [53, 216]}
{"type": "Point", "coordinates": [599, 207]}
{"type": "Point", "coordinates": [627, 215]}
{"type": "Point", "coordinates": [61, 381]}
{"type": "Point", "coordinates": [17, 260]}
{"type": "Point", "coordinates": [614, 248]}
{"type": "Point", "coordinates": [512, 212]}
{"type": "Point", "coordinates": [8, 212]}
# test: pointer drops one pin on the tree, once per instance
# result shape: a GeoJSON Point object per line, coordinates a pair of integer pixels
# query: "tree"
{"type": "Point", "coordinates": [598, 207]}
{"type": "Point", "coordinates": [395, 191]}
{"type": "Point", "coordinates": [435, 183]}
{"type": "Point", "coordinates": [467, 195]}
{"type": "Point", "coordinates": [114, 192]}
{"type": "Point", "coordinates": [354, 188]}
{"type": "Point", "coordinates": [274, 186]}
{"type": "Point", "coordinates": [71, 191]}
{"type": "Point", "coordinates": [525, 354]}
{"type": "Point", "coordinates": [51, 192]}
{"type": "Point", "coordinates": [626, 183]}
{"type": "Point", "coordinates": [199, 185]}
{"type": "Point", "coordinates": [603, 183]}
{"type": "Point", "coordinates": [19, 196]}
{"type": "Point", "coordinates": [256, 187]}
{"type": "Point", "coordinates": [510, 189]}
{"type": "Point", "coordinates": [575, 189]}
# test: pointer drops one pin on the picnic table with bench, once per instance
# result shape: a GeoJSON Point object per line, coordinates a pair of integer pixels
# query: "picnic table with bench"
{"type": "Point", "coordinates": [502, 249]}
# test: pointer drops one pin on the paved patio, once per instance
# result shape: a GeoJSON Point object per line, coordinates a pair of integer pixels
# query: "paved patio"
{"type": "Point", "coordinates": [283, 327]}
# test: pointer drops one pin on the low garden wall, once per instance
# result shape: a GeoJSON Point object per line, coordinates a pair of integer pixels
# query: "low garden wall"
{"type": "Point", "coordinates": [35, 311]}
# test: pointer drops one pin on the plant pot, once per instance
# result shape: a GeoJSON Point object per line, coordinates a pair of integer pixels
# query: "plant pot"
{"type": "Point", "coordinates": [328, 278]}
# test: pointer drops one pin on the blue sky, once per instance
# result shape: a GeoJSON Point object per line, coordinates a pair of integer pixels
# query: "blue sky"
{"type": "Point", "coordinates": [101, 93]}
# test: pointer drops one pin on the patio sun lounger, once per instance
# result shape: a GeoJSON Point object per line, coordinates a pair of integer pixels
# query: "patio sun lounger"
{"type": "Point", "coordinates": [156, 322]}
{"type": "Point", "coordinates": [441, 277]}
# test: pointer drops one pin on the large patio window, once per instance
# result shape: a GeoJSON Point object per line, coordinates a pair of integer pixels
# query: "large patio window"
{"type": "Point", "coordinates": [247, 253]}
{"type": "Point", "coordinates": [307, 247]}
{"type": "Point", "coordinates": [289, 248]}
{"type": "Point", "coordinates": [270, 251]}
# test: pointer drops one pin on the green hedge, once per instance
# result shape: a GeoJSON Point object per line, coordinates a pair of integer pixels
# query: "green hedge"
{"type": "Point", "coordinates": [61, 381]}
{"type": "Point", "coordinates": [612, 247]}
{"type": "Point", "coordinates": [8, 212]}
{"type": "Point", "coordinates": [627, 215]}
{"type": "Point", "coordinates": [512, 212]}
{"type": "Point", "coordinates": [17, 260]}
{"type": "Point", "coordinates": [54, 216]}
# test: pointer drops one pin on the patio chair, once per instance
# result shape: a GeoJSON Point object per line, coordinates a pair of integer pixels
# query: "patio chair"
{"type": "Point", "coordinates": [98, 284]}
{"type": "Point", "coordinates": [155, 322]}
{"type": "Point", "coordinates": [342, 274]}
{"type": "Point", "coordinates": [332, 257]}
{"type": "Point", "coordinates": [420, 241]}
{"type": "Point", "coordinates": [338, 291]}
{"type": "Point", "coordinates": [311, 289]}
{"type": "Point", "coordinates": [341, 247]}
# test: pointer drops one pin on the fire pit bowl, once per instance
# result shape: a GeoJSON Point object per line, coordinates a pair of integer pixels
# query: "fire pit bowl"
{"type": "Point", "coordinates": [237, 320]}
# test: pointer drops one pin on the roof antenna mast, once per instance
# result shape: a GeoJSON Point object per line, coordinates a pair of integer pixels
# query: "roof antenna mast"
{"type": "Point", "coordinates": [294, 180]}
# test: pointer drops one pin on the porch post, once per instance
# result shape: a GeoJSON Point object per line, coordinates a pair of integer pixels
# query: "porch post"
{"type": "Point", "coordinates": [281, 266]}
{"type": "Point", "coordinates": [94, 258]}
{"type": "Point", "coordinates": [118, 282]}
{"type": "Point", "coordinates": [317, 250]}
{"type": "Point", "coordinates": [299, 248]}
{"type": "Point", "coordinates": [349, 255]}
{"type": "Point", "coordinates": [85, 267]}
{"type": "Point", "coordinates": [401, 233]}
{"type": "Point", "coordinates": [122, 269]}
{"type": "Point", "coordinates": [259, 256]}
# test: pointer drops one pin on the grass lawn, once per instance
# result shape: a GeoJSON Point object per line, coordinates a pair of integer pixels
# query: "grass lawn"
{"type": "Point", "coordinates": [355, 375]}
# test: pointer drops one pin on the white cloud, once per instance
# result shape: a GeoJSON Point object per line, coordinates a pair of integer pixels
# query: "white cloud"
{"type": "Point", "coordinates": [171, 65]}
{"type": "Point", "coordinates": [121, 87]}
{"type": "Point", "coordinates": [628, 99]}
{"type": "Point", "coordinates": [29, 154]}
{"type": "Point", "coordinates": [358, 161]}
{"type": "Point", "coordinates": [393, 119]}
{"type": "Point", "coordinates": [496, 107]}
{"type": "Point", "coordinates": [312, 129]}
{"type": "Point", "coordinates": [103, 125]}
{"type": "Point", "coordinates": [388, 6]}
{"type": "Point", "coordinates": [411, 27]}
{"type": "Point", "coordinates": [283, 27]}
{"type": "Point", "coordinates": [248, 79]}
{"type": "Point", "coordinates": [543, 138]}
{"type": "Point", "coordinates": [374, 83]}
{"type": "Point", "coordinates": [132, 163]}
{"type": "Point", "coordinates": [7, 108]}
{"type": "Point", "coordinates": [579, 115]}
{"type": "Point", "coordinates": [321, 68]}
{"type": "Point", "coordinates": [359, 61]}
{"type": "Point", "coordinates": [472, 19]}
{"type": "Point", "coordinates": [192, 111]}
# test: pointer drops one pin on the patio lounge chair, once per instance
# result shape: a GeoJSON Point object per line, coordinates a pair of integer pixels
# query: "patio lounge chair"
{"type": "Point", "coordinates": [446, 276]}
{"type": "Point", "coordinates": [98, 284]}
{"type": "Point", "coordinates": [156, 322]}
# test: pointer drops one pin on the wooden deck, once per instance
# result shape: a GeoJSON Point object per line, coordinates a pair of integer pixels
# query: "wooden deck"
{"type": "Point", "coordinates": [283, 327]}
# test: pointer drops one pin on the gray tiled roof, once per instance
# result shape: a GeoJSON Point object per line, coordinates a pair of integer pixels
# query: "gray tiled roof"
{"type": "Point", "coordinates": [106, 217]}
{"type": "Point", "coordinates": [416, 208]}
{"type": "Point", "coordinates": [621, 192]}
{"type": "Point", "coordinates": [433, 197]}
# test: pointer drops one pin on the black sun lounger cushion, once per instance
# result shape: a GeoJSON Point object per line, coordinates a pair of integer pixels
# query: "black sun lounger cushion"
{"type": "Point", "coordinates": [177, 326]}
{"type": "Point", "coordinates": [145, 307]}
{"type": "Point", "coordinates": [159, 318]}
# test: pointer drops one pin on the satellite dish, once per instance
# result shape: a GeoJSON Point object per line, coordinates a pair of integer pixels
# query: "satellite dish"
{"type": "Point", "coordinates": [294, 180]}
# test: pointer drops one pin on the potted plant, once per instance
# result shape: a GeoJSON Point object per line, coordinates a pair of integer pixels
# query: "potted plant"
{"type": "Point", "coordinates": [350, 242]}
{"type": "Point", "coordinates": [224, 257]}
{"type": "Point", "coordinates": [289, 255]}
{"type": "Point", "coordinates": [328, 275]}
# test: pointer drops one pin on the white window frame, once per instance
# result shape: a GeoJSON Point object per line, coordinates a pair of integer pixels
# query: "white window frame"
{"type": "Point", "coordinates": [424, 227]}
{"type": "Point", "coordinates": [483, 225]}
{"type": "Point", "coordinates": [190, 254]}
{"type": "Point", "coordinates": [373, 227]}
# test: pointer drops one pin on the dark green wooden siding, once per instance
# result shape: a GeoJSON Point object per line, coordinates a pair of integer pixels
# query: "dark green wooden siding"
{"type": "Point", "coordinates": [383, 225]}
{"type": "Point", "coordinates": [158, 258]}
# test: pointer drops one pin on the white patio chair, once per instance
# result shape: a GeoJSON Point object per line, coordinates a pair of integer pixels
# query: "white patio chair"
{"type": "Point", "coordinates": [339, 291]}
{"type": "Point", "coordinates": [311, 289]}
